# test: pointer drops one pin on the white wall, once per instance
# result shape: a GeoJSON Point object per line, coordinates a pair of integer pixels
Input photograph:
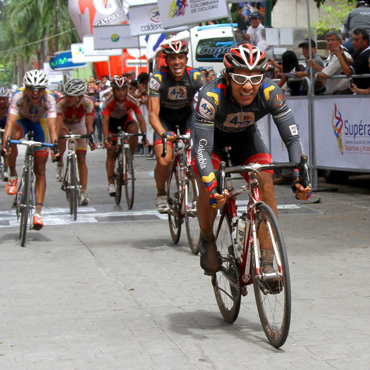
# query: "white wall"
{"type": "Point", "coordinates": [293, 13]}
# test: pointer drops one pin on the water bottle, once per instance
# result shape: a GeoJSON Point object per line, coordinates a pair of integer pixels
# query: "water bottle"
{"type": "Point", "coordinates": [241, 229]}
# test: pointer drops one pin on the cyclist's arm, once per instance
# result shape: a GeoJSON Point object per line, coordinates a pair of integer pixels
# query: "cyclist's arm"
{"type": "Point", "coordinates": [154, 107]}
{"type": "Point", "coordinates": [52, 127]}
{"type": "Point", "coordinates": [59, 124]}
{"type": "Point", "coordinates": [9, 126]}
{"type": "Point", "coordinates": [105, 126]}
{"type": "Point", "coordinates": [89, 123]}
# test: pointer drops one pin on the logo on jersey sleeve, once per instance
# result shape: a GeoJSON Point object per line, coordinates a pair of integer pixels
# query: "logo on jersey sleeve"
{"type": "Point", "coordinates": [293, 130]}
{"type": "Point", "coordinates": [239, 120]}
{"type": "Point", "coordinates": [278, 100]}
{"type": "Point", "coordinates": [153, 84]}
{"type": "Point", "coordinates": [206, 109]}
{"type": "Point", "coordinates": [267, 89]}
{"type": "Point", "coordinates": [177, 93]}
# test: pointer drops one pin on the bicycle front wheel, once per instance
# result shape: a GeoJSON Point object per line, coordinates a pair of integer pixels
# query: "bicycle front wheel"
{"type": "Point", "coordinates": [118, 177]}
{"type": "Point", "coordinates": [129, 178]}
{"type": "Point", "coordinates": [225, 282]}
{"type": "Point", "coordinates": [173, 196]}
{"type": "Point", "coordinates": [191, 220]}
{"type": "Point", "coordinates": [273, 296]}
{"type": "Point", "coordinates": [25, 188]}
{"type": "Point", "coordinates": [74, 190]}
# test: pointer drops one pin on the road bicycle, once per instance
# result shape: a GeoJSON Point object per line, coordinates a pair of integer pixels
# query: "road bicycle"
{"type": "Point", "coordinates": [24, 200]}
{"type": "Point", "coordinates": [124, 173]}
{"type": "Point", "coordinates": [182, 192]}
{"type": "Point", "coordinates": [71, 179]}
{"type": "Point", "coordinates": [240, 241]}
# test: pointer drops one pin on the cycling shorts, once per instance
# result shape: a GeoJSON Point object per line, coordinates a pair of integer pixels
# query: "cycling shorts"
{"type": "Point", "coordinates": [40, 133]}
{"type": "Point", "coordinates": [123, 122]}
{"type": "Point", "coordinates": [3, 122]}
{"type": "Point", "coordinates": [181, 118]}
{"type": "Point", "coordinates": [79, 129]}
{"type": "Point", "coordinates": [246, 147]}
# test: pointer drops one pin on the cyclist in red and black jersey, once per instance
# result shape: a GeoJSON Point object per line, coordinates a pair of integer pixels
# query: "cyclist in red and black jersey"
{"type": "Point", "coordinates": [171, 94]}
{"type": "Point", "coordinates": [116, 113]}
{"type": "Point", "coordinates": [227, 113]}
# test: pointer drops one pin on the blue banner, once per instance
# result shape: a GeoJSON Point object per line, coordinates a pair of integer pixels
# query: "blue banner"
{"type": "Point", "coordinates": [63, 60]}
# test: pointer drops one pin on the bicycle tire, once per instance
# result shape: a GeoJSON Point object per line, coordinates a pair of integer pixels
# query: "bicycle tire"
{"type": "Point", "coordinates": [191, 219]}
{"type": "Point", "coordinates": [25, 204]}
{"type": "Point", "coordinates": [226, 284]}
{"type": "Point", "coordinates": [73, 199]}
{"type": "Point", "coordinates": [173, 199]}
{"type": "Point", "coordinates": [118, 178]}
{"type": "Point", "coordinates": [273, 298]}
{"type": "Point", "coordinates": [129, 178]}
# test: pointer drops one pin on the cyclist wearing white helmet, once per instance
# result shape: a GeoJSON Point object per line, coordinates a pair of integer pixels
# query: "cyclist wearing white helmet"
{"type": "Point", "coordinates": [4, 107]}
{"type": "Point", "coordinates": [32, 108]}
{"type": "Point", "coordinates": [75, 113]}
{"type": "Point", "coordinates": [227, 114]}
{"type": "Point", "coordinates": [171, 94]}
{"type": "Point", "coordinates": [116, 113]}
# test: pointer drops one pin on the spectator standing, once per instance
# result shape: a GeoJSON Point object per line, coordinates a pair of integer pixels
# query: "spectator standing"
{"type": "Point", "coordinates": [211, 75]}
{"type": "Point", "coordinates": [254, 33]}
{"type": "Point", "coordinates": [360, 65]}
{"type": "Point", "coordinates": [356, 90]}
{"type": "Point", "coordinates": [310, 63]}
{"type": "Point", "coordinates": [332, 66]}
{"type": "Point", "coordinates": [356, 18]}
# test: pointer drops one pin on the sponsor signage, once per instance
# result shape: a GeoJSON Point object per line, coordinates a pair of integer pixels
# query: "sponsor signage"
{"type": "Point", "coordinates": [176, 13]}
{"type": "Point", "coordinates": [114, 37]}
{"type": "Point", "coordinates": [88, 13]}
{"type": "Point", "coordinates": [63, 60]}
{"type": "Point", "coordinates": [342, 134]}
{"type": "Point", "coordinates": [146, 20]}
{"type": "Point", "coordinates": [88, 42]}
{"type": "Point", "coordinates": [78, 55]}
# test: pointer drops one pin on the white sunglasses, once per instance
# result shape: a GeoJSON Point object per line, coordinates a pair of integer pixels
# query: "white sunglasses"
{"type": "Point", "coordinates": [242, 79]}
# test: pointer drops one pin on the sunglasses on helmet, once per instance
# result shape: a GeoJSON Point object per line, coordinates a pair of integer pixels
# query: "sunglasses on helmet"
{"type": "Point", "coordinates": [243, 79]}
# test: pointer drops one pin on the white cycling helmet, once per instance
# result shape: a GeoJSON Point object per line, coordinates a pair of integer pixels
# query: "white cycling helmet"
{"type": "Point", "coordinates": [35, 78]}
{"type": "Point", "coordinates": [4, 92]}
{"type": "Point", "coordinates": [75, 87]}
{"type": "Point", "coordinates": [246, 57]}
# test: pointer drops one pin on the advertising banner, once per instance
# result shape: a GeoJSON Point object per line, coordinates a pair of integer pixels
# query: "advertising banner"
{"type": "Point", "coordinates": [63, 61]}
{"type": "Point", "coordinates": [176, 13]}
{"type": "Point", "coordinates": [145, 20]}
{"type": "Point", "coordinates": [342, 132]}
{"type": "Point", "coordinates": [299, 108]}
{"type": "Point", "coordinates": [114, 37]}
{"type": "Point", "coordinates": [78, 55]}
{"type": "Point", "coordinates": [88, 42]}
{"type": "Point", "coordinates": [88, 13]}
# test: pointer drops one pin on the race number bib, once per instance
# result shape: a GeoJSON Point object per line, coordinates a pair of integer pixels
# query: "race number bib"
{"type": "Point", "coordinates": [239, 120]}
{"type": "Point", "coordinates": [177, 93]}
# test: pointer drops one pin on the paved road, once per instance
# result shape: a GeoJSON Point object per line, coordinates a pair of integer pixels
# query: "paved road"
{"type": "Point", "coordinates": [114, 293]}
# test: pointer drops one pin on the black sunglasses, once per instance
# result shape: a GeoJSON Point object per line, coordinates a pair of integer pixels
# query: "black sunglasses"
{"type": "Point", "coordinates": [34, 88]}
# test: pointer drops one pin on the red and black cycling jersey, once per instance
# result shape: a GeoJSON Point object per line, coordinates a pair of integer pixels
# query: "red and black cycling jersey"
{"type": "Point", "coordinates": [175, 95]}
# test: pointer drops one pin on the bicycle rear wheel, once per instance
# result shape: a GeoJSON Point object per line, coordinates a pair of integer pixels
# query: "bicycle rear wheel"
{"type": "Point", "coordinates": [25, 204]}
{"type": "Point", "coordinates": [129, 178]}
{"type": "Point", "coordinates": [191, 220]}
{"type": "Point", "coordinates": [74, 189]}
{"type": "Point", "coordinates": [118, 178]}
{"type": "Point", "coordinates": [225, 282]}
{"type": "Point", "coordinates": [273, 297]}
{"type": "Point", "coordinates": [173, 196]}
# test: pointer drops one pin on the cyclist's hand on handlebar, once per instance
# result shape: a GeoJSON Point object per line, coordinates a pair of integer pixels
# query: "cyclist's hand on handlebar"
{"type": "Point", "coordinates": [55, 155]}
{"type": "Point", "coordinates": [217, 200]}
{"type": "Point", "coordinates": [171, 136]}
{"type": "Point", "coordinates": [92, 145]}
{"type": "Point", "coordinates": [107, 144]}
{"type": "Point", "coordinates": [302, 193]}
{"type": "Point", "coordinates": [5, 151]}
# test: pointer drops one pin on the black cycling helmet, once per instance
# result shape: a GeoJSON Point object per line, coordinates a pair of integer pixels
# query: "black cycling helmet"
{"type": "Point", "coordinates": [75, 87]}
{"type": "Point", "coordinates": [119, 81]}
{"type": "Point", "coordinates": [246, 56]}
{"type": "Point", "coordinates": [175, 47]}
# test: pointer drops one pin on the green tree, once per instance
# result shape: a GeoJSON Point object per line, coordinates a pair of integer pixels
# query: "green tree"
{"type": "Point", "coordinates": [27, 32]}
{"type": "Point", "coordinates": [335, 16]}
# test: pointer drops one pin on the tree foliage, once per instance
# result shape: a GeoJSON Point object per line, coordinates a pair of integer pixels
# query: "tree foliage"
{"type": "Point", "coordinates": [28, 28]}
{"type": "Point", "coordinates": [335, 16]}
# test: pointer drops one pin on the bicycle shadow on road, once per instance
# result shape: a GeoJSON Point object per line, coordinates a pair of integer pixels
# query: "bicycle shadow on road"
{"type": "Point", "coordinates": [32, 236]}
{"type": "Point", "coordinates": [203, 325]}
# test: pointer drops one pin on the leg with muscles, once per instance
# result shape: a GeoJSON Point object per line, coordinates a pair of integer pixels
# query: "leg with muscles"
{"type": "Point", "coordinates": [40, 187]}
